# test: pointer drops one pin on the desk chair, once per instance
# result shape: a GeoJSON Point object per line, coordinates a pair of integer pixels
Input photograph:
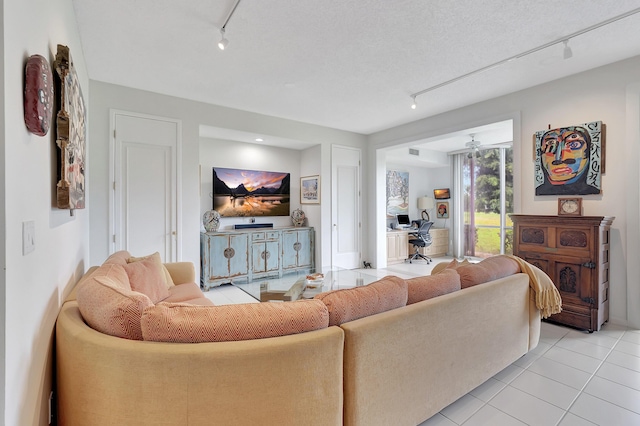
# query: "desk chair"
{"type": "Point", "coordinates": [421, 238]}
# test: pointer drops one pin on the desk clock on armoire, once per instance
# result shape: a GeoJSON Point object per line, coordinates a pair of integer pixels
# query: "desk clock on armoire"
{"type": "Point", "coordinates": [574, 252]}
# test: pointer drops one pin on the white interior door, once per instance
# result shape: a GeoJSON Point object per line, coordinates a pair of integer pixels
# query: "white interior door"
{"type": "Point", "coordinates": [145, 203]}
{"type": "Point", "coordinates": [345, 207]}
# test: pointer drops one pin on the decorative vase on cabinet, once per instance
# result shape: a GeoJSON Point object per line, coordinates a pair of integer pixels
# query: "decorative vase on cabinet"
{"type": "Point", "coordinates": [211, 220]}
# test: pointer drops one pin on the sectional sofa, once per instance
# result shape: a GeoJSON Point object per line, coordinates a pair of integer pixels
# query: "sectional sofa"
{"type": "Point", "coordinates": [360, 356]}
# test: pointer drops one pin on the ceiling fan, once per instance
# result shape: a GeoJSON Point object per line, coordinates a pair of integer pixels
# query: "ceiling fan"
{"type": "Point", "coordinates": [474, 146]}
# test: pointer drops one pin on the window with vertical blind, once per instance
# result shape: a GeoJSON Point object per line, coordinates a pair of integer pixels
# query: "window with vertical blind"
{"type": "Point", "coordinates": [483, 181]}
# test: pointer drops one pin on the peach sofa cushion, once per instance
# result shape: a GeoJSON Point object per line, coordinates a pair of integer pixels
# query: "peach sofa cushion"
{"type": "Point", "coordinates": [168, 281]}
{"type": "Point", "coordinates": [116, 273]}
{"type": "Point", "coordinates": [111, 309]}
{"type": "Point", "coordinates": [187, 293]}
{"type": "Point", "coordinates": [179, 322]}
{"type": "Point", "coordinates": [429, 286]}
{"type": "Point", "coordinates": [119, 258]}
{"type": "Point", "coordinates": [487, 270]}
{"type": "Point", "coordinates": [503, 266]}
{"type": "Point", "coordinates": [146, 277]}
{"type": "Point", "coordinates": [350, 304]}
{"type": "Point", "coordinates": [182, 292]}
{"type": "Point", "coordinates": [454, 264]}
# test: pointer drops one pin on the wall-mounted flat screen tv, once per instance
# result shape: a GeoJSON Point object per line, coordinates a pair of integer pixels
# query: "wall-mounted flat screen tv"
{"type": "Point", "coordinates": [441, 194]}
{"type": "Point", "coordinates": [248, 193]}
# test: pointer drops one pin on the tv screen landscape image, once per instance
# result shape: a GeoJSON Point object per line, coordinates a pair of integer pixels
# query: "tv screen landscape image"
{"type": "Point", "coordinates": [247, 193]}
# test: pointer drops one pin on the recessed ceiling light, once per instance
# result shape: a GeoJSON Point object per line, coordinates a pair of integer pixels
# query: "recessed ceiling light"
{"type": "Point", "coordinates": [259, 140]}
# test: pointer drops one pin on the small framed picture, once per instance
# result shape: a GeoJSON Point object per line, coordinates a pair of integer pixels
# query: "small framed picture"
{"type": "Point", "coordinates": [310, 189]}
{"type": "Point", "coordinates": [442, 210]}
{"type": "Point", "coordinates": [441, 194]}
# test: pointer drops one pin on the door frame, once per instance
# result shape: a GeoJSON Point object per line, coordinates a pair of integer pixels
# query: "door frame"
{"type": "Point", "coordinates": [176, 252]}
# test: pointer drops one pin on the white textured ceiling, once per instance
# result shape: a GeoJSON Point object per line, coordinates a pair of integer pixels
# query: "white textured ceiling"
{"type": "Point", "coordinates": [346, 64]}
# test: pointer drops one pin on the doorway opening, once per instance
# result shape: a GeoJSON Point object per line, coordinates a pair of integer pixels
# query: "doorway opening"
{"type": "Point", "coordinates": [480, 174]}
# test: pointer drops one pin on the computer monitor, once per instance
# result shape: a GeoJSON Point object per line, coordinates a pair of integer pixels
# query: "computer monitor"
{"type": "Point", "coordinates": [403, 220]}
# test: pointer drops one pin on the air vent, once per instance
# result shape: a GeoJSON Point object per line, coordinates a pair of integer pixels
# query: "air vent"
{"type": "Point", "coordinates": [414, 152]}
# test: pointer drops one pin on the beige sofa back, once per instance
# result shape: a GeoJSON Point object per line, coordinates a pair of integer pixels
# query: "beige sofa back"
{"type": "Point", "coordinates": [293, 379]}
{"type": "Point", "coordinates": [405, 365]}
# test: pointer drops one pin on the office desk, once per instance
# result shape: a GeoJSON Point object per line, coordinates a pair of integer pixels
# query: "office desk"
{"type": "Point", "coordinates": [398, 247]}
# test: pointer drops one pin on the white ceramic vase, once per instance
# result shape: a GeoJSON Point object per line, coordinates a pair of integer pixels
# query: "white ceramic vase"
{"type": "Point", "coordinates": [298, 217]}
{"type": "Point", "coordinates": [211, 220]}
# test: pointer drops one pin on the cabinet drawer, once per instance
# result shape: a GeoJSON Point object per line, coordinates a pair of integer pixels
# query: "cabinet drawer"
{"type": "Point", "coordinates": [573, 319]}
{"type": "Point", "coordinates": [574, 239]}
{"type": "Point", "coordinates": [258, 236]}
{"type": "Point", "coordinates": [555, 239]}
{"type": "Point", "coordinates": [264, 235]}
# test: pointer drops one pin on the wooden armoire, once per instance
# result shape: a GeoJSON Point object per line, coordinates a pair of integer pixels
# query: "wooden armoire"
{"type": "Point", "coordinates": [574, 252]}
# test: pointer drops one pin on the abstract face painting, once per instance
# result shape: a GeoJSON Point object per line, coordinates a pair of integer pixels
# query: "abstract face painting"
{"type": "Point", "coordinates": [568, 160]}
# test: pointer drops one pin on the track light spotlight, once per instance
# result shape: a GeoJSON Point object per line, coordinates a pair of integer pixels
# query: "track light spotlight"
{"type": "Point", "coordinates": [414, 104]}
{"type": "Point", "coordinates": [222, 44]}
{"type": "Point", "coordinates": [567, 53]}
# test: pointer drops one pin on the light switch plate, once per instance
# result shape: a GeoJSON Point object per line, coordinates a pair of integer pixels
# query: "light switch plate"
{"type": "Point", "coordinates": [28, 237]}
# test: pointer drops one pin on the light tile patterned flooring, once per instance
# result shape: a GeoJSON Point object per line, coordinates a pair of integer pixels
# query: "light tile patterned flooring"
{"type": "Point", "coordinates": [572, 378]}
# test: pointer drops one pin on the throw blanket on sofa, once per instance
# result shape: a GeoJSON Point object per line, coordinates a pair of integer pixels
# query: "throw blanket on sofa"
{"type": "Point", "coordinates": [547, 296]}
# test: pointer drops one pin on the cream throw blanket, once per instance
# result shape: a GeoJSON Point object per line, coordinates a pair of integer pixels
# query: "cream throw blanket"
{"type": "Point", "coordinates": [547, 296]}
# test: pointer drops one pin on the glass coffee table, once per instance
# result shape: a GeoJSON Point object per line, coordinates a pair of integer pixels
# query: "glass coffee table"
{"type": "Point", "coordinates": [296, 286]}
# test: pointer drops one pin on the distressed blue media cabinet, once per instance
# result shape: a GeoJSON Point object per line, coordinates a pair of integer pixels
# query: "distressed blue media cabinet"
{"type": "Point", "coordinates": [249, 254]}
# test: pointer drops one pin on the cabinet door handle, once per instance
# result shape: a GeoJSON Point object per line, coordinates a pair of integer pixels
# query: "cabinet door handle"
{"type": "Point", "coordinates": [589, 300]}
{"type": "Point", "coordinates": [229, 252]}
{"type": "Point", "coordinates": [590, 265]}
{"type": "Point", "coordinates": [297, 246]}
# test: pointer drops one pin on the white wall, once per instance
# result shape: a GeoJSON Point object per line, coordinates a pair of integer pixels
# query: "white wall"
{"type": "Point", "coordinates": [193, 114]}
{"type": "Point", "coordinates": [310, 165]}
{"type": "Point", "coordinates": [35, 284]}
{"type": "Point", "coordinates": [605, 94]}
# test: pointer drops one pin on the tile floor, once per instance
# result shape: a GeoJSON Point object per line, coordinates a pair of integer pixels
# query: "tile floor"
{"type": "Point", "coordinates": [572, 378]}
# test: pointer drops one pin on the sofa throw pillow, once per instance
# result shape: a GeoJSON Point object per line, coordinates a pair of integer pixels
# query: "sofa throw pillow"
{"type": "Point", "coordinates": [429, 286]}
{"type": "Point", "coordinates": [454, 264]}
{"type": "Point", "coordinates": [116, 272]}
{"type": "Point", "coordinates": [350, 304]}
{"type": "Point", "coordinates": [179, 322]}
{"type": "Point", "coordinates": [474, 274]}
{"type": "Point", "coordinates": [501, 265]}
{"type": "Point", "coordinates": [168, 281]}
{"type": "Point", "coordinates": [145, 277]}
{"type": "Point", "coordinates": [118, 258]}
{"type": "Point", "coordinates": [487, 270]}
{"type": "Point", "coordinates": [110, 309]}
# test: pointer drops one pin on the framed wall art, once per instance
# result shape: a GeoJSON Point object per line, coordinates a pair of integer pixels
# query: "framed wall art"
{"type": "Point", "coordinates": [442, 210]}
{"type": "Point", "coordinates": [71, 134]}
{"type": "Point", "coordinates": [569, 160]}
{"type": "Point", "coordinates": [442, 194]}
{"type": "Point", "coordinates": [397, 193]}
{"type": "Point", "coordinates": [310, 190]}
